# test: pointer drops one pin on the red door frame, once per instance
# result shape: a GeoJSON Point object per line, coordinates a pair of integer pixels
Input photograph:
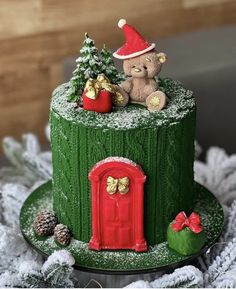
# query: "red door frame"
{"type": "Point", "coordinates": [139, 178]}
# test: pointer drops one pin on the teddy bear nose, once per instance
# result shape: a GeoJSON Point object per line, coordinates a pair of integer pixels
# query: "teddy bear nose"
{"type": "Point", "coordinates": [137, 70]}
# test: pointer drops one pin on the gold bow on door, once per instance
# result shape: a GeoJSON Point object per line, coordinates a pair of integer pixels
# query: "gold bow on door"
{"type": "Point", "coordinates": [122, 185]}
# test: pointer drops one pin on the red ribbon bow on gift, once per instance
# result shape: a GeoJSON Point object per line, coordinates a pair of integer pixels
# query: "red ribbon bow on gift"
{"type": "Point", "coordinates": [193, 222]}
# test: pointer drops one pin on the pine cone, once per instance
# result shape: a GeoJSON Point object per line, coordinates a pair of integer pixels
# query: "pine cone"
{"type": "Point", "coordinates": [44, 223]}
{"type": "Point", "coordinates": [62, 234]}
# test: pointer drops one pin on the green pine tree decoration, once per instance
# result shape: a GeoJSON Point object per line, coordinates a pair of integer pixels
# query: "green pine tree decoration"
{"type": "Point", "coordinates": [88, 65]}
{"type": "Point", "coordinates": [109, 68]}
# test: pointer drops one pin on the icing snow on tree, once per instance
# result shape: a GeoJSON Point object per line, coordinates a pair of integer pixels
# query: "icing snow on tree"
{"type": "Point", "coordinates": [88, 65]}
{"type": "Point", "coordinates": [108, 67]}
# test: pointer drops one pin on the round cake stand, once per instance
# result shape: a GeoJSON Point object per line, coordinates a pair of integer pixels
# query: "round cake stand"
{"type": "Point", "coordinates": [158, 257]}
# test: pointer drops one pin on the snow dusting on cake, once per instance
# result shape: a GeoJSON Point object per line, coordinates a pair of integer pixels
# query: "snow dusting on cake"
{"type": "Point", "coordinates": [181, 103]}
{"type": "Point", "coordinates": [117, 159]}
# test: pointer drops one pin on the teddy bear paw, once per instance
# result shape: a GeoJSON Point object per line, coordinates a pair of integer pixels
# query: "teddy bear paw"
{"type": "Point", "coordinates": [120, 98]}
{"type": "Point", "coordinates": [156, 101]}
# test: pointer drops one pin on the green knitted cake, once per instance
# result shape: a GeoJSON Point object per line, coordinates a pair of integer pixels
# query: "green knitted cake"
{"type": "Point", "coordinates": [161, 143]}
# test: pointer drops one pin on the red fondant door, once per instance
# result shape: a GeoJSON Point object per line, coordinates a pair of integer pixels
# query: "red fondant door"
{"type": "Point", "coordinates": [116, 214]}
{"type": "Point", "coordinates": [117, 205]}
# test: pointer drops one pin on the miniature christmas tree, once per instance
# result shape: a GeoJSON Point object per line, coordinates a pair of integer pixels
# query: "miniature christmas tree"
{"type": "Point", "coordinates": [88, 66]}
{"type": "Point", "coordinates": [109, 68]}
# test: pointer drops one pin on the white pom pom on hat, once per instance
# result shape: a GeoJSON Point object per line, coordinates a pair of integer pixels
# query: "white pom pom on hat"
{"type": "Point", "coordinates": [121, 23]}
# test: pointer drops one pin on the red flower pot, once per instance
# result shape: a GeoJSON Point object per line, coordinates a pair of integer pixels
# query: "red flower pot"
{"type": "Point", "coordinates": [102, 103]}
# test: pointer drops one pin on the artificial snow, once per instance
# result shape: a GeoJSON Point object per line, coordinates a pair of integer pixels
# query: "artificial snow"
{"type": "Point", "coordinates": [181, 104]}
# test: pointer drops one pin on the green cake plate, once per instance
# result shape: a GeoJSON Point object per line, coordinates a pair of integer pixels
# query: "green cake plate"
{"type": "Point", "coordinates": [158, 257]}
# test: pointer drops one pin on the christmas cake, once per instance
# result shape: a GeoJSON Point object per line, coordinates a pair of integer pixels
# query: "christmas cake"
{"type": "Point", "coordinates": [123, 147]}
{"type": "Point", "coordinates": [122, 197]}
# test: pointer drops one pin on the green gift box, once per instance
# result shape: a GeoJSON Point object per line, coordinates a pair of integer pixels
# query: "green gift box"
{"type": "Point", "coordinates": [184, 240]}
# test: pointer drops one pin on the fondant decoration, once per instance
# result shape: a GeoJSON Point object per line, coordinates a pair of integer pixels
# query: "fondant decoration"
{"type": "Point", "coordinates": [97, 95]}
{"type": "Point", "coordinates": [120, 98]}
{"type": "Point", "coordinates": [89, 65]}
{"type": "Point", "coordinates": [135, 44]}
{"type": "Point", "coordinates": [186, 235]}
{"type": "Point", "coordinates": [156, 101]}
{"type": "Point", "coordinates": [143, 64]}
{"type": "Point", "coordinates": [122, 185]}
{"type": "Point", "coordinates": [44, 223]}
{"type": "Point", "coordinates": [193, 222]}
{"type": "Point", "coordinates": [62, 235]}
{"type": "Point", "coordinates": [162, 143]}
{"type": "Point", "coordinates": [102, 103]}
{"type": "Point", "coordinates": [161, 57]}
{"type": "Point", "coordinates": [94, 86]}
{"type": "Point", "coordinates": [158, 257]}
{"type": "Point", "coordinates": [100, 94]}
{"type": "Point", "coordinates": [108, 67]}
{"type": "Point", "coordinates": [117, 218]}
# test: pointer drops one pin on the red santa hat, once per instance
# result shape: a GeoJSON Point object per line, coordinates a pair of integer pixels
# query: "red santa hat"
{"type": "Point", "coordinates": [135, 44]}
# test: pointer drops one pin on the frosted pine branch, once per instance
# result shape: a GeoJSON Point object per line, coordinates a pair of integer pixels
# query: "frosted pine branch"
{"type": "Point", "coordinates": [13, 252]}
{"type": "Point", "coordinates": [13, 151]}
{"type": "Point", "coordinates": [185, 277]}
{"type": "Point", "coordinates": [222, 263]}
{"type": "Point", "coordinates": [56, 272]}
{"type": "Point", "coordinates": [228, 234]}
{"type": "Point", "coordinates": [218, 174]}
{"type": "Point", "coordinates": [30, 275]}
{"type": "Point", "coordinates": [202, 174]}
{"type": "Point", "coordinates": [47, 157]}
{"type": "Point", "coordinates": [30, 143]}
{"type": "Point", "coordinates": [139, 284]}
{"type": "Point", "coordinates": [13, 196]}
{"type": "Point", "coordinates": [227, 280]}
{"type": "Point", "coordinates": [37, 166]}
{"type": "Point", "coordinates": [230, 228]}
{"type": "Point", "coordinates": [27, 159]}
{"type": "Point", "coordinates": [12, 243]}
{"type": "Point", "coordinates": [9, 279]}
{"type": "Point", "coordinates": [58, 268]}
{"type": "Point", "coordinates": [198, 149]}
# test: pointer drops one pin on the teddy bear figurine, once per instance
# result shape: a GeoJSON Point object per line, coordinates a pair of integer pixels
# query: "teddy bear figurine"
{"type": "Point", "coordinates": [142, 63]}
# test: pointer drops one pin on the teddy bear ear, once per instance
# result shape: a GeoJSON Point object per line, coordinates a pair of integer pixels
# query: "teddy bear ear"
{"type": "Point", "coordinates": [162, 57]}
